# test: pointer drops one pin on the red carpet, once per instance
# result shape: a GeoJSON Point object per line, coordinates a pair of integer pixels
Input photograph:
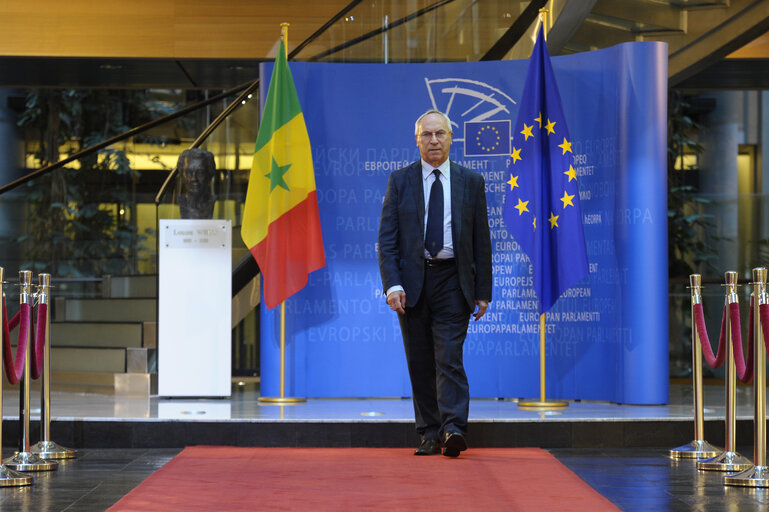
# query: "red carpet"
{"type": "Point", "coordinates": [206, 478]}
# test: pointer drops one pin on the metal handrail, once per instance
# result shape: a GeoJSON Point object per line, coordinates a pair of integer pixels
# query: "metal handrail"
{"type": "Point", "coordinates": [204, 135]}
{"type": "Point", "coordinates": [381, 30]}
{"type": "Point", "coordinates": [117, 138]}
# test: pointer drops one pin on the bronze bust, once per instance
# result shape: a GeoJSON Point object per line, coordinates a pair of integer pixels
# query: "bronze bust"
{"type": "Point", "coordinates": [196, 169]}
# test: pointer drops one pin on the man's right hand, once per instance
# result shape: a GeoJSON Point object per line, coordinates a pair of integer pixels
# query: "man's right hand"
{"type": "Point", "coordinates": [397, 301]}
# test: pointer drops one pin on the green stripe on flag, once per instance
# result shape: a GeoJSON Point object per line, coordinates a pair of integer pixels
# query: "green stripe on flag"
{"type": "Point", "coordinates": [282, 102]}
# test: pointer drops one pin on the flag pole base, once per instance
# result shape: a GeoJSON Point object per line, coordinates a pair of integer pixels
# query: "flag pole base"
{"type": "Point", "coordinates": [546, 404]}
{"type": "Point", "coordinates": [696, 449]}
{"type": "Point", "coordinates": [51, 450]}
{"type": "Point", "coordinates": [286, 400]}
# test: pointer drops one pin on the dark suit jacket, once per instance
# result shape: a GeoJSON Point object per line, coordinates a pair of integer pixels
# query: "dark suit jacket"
{"type": "Point", "coordinates": [401, 233]}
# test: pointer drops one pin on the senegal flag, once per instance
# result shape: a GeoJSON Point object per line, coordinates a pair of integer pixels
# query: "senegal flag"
{"type": "Point", "coordinates": [281, 223]}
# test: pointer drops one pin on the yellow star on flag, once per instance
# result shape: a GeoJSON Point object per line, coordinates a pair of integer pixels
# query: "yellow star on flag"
{"type": "Point", "coordinates": [513, 182]}
{"type": "Point", "coordinates": [527, 131]}
{"type": "Point", "coordinates": [567, 199]}
{"type": "Point", "coordinates": [516, 155]}
{"type": "Point", "coordinates": [566, 146]}
{"type": "Point", "coordinates": [571, 173]}
{"type": "Point", "coordinates": [550, 127]}
{"type": "Point", "coordinates": [521, 206]}
{"type": "Point", "coordinates": [553, 220]}
{"type": "Point", "coordinates": [534, 223]}
{"type": "Point", "coordinates": [538, 119]}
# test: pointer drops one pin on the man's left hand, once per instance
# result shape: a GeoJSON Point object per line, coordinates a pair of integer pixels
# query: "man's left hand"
{"type": "Point", "coordinates": [482, 307]}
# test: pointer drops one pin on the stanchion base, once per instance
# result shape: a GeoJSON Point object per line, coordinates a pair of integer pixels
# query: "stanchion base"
{"type": "Point", "coordinates": [547, 404]}
{"type": "Point", "coordinates": [756, 476]}
{"type": "Point", "coordinates": [28, 461]}
{"type": "Point", "coordinates": [695, 450]}
{"type": "Point", "coordinates": [286, 400]}
{"type": "Point", "coordinates": [50, 450]}
{"type": "Point", "coordinates": [11, 478]}
{"type": "Point", "coordinates": [726, 461]}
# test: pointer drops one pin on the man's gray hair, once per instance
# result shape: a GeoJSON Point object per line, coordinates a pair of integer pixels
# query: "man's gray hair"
{"type": "Point", "coordinates": [433, 111]}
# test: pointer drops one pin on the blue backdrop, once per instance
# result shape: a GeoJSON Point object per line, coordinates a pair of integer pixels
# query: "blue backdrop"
{"type": "Point", "coordinates": [607, 337]}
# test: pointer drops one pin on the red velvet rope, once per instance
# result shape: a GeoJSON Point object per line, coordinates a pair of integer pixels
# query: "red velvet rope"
{"type": "Point", "coordinates": [699, 320]}
{"type": "Point", "coordinates": [38, 346]}
{"type": "Point", "coordinates": [13, 323]}
{"type": "Point", "coordinates": [7, 328]}
{"type": "Point", "coordinates": [14, 370]}
{"type": "Point", "coordinates": [763, 311]}
{"type": "Point", "coordinates": [744, 369]}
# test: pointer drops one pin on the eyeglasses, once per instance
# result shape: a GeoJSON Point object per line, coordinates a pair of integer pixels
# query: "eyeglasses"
{"type": "Point", "coordinates": [428, 136]}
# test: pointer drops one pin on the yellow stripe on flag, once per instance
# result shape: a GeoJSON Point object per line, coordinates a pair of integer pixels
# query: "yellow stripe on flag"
{"type": "Point", "coordinates": [289, 146]}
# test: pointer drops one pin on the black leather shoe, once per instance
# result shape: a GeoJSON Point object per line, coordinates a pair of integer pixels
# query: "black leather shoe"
{"type": "Point", "coordinates": [453, 443]}
{"type": "Point", "coordinates": [428, 447]}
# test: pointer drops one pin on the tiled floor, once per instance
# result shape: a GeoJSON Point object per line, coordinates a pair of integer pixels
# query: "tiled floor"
{"type": "Point", "coordinates": [91, 483]}
{"type": "Point", "coordinates": [647, 480]}
{"type": "Point", "coordinates": [634, 479]}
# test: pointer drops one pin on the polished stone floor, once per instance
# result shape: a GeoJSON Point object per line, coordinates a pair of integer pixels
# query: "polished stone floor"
{"type": "Point", "coordinates": [244, 405]}
{"type": "Point", "coordinates": [632, 478]}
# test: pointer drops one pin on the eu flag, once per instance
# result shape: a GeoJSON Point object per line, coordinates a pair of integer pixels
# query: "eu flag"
{"type": "Point", "coordinates": [483, 138]}
{"type": "Point", "coordinates": [542, 209]}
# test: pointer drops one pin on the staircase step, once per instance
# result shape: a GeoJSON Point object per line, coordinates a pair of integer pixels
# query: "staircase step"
{"type": "Point", "coordinates": [104, 383]}
{"type": "Point", "coordinates": [72, 382]}
{"type": "Point", "coordinates": [107, 310]}
{"type": "Point", "coordinates": [82, 382]}
{"type": "Point", "coordinates": [85, 359]}
{"type": "Point", "coordinates": [133, 286]}
{"type": "Point", "coordinates": [98, 334]}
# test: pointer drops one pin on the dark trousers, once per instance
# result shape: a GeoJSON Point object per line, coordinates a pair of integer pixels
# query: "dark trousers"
{"type": "Point", "coordinates": [434, 332]}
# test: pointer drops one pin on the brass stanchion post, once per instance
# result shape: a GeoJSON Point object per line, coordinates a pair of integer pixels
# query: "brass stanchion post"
{"type": "Point", "coordinates": [25, 460]}
{"type": "Point", "coordinates": [729, 459]}
{"type": "Point", "coordinates": [46, 448]}
{"type": "Point", "coordinates": [699, 448]}
{"type": "Point", "coordinates": [8, 477]}
{"type": "Point", "coordinates": [758, 474]}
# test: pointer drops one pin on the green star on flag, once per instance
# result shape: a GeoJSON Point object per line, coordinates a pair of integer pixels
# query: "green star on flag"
{"type": "Point", "coordinates": [276, 175]}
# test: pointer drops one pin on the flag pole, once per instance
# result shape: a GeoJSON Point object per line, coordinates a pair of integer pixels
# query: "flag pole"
{"type": "Point", "coordinates": [283, 399]}
{"type": "Point", "coordinates": [542, 403]}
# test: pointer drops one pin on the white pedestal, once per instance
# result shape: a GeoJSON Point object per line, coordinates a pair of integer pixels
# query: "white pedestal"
{"type": "Point", "coordinates": [194, 310]}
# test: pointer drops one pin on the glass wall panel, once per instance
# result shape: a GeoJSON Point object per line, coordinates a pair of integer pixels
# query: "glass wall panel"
{"type": "Point", "coordinates": [415, 31]}
{"type": "Point", "coordinates": [95, 216]}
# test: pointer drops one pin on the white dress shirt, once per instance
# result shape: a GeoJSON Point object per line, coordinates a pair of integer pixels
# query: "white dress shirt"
{"type": "Point", "coordinates": [428, 178]}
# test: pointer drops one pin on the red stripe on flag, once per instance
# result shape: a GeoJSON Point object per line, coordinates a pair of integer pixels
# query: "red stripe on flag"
{"type": "Point", "coordinates": [291, 250]}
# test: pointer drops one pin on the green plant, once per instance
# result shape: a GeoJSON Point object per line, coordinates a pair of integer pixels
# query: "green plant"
{"type": "Point", "coordinates": [79, 218]}
{"type": "Point", "coordinates": [690, 250]}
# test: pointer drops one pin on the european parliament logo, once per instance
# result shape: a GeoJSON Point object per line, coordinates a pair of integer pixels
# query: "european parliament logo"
{"type": "Point", "coordinates": [487, 138]}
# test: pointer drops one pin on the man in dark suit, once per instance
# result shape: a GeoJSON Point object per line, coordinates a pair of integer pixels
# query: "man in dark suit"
{"type": "Point", "coordinates": [435, 261]}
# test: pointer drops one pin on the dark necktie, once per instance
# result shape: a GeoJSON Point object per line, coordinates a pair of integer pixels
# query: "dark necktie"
{"type": "Point", "coordinates": [434, 233]}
